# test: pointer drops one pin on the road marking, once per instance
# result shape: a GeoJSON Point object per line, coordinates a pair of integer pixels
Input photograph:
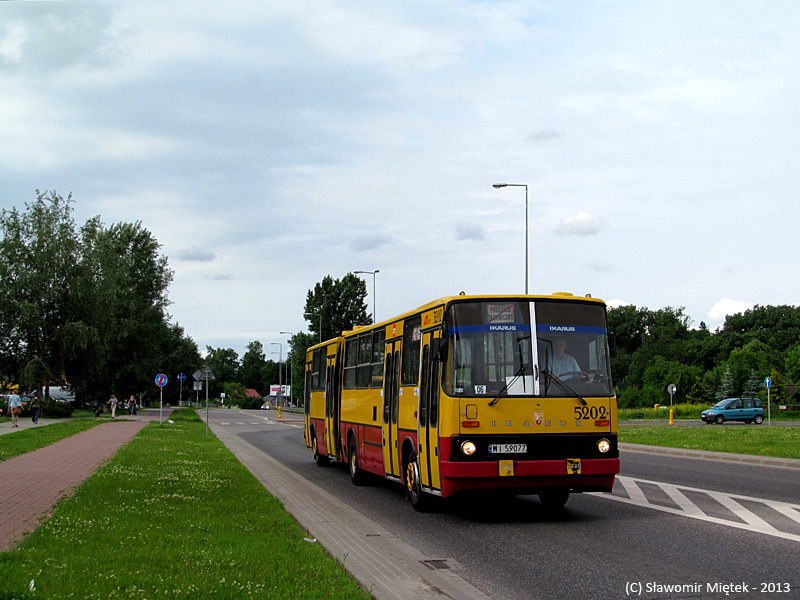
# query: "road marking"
{"type": "Point", "coordinates": [751, 514]}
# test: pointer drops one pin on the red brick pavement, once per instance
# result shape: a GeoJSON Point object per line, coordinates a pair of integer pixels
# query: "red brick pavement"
{"type": "Point", "coordinates": [31, 484]}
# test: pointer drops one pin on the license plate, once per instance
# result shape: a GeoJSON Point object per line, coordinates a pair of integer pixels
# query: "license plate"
{"type": "Point", "coordinates": [508, 448]}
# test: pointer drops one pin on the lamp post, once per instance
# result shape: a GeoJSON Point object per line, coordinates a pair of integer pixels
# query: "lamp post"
{"type": "Point", "coordinates": [497, 186]}
{"type": "Point", "coordinates": [374, 317]}
{"type": "Point", "coordinates": [280, 372]}
{"type": "Point", "coordinates": [320, 323]}
{"type": "Point", "coordinates": [290, 373]}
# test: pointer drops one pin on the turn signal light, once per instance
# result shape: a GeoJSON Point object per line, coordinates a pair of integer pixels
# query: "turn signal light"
{"type": "Point", "coordinates": [470, 423]}
{"type": "Point", "coordinates": [602, 423]}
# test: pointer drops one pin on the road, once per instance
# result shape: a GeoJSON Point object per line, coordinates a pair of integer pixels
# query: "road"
{"type": "Point", "coordinates": [701, 525]}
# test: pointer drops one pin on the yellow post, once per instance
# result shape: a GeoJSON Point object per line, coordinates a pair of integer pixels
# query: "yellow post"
{"type": "Point", "coordinates": [671, 417]}
{"type": "Point", "coordinates": [279, 412]}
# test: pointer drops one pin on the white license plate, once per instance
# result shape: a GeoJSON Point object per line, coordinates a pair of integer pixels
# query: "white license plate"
{"type": "Point", "coordinates": [508, 448]}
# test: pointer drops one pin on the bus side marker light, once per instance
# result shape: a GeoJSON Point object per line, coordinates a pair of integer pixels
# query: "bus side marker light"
{"type": "Point", "coordinates": [602, 423]}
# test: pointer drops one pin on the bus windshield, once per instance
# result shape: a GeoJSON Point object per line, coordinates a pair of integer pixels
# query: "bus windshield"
{"type": "Point", "coordinates": [551, 348]}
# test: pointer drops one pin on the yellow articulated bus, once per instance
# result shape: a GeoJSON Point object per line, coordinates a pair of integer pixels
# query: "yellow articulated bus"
{"type": "Point", "coordinates": [466, 393]}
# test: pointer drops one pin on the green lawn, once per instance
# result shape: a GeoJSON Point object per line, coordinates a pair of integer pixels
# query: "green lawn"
{"type": "Point", "coordinates": [173, 514]}
{"type": "Point", "coordinates": [762, 440]}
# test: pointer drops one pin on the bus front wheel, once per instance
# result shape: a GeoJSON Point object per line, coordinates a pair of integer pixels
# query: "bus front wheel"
{"type": "Point", "coordinates": [554, 498]}
{"type": "Point", "coordinates": [322, 461]}
{"type": "Point", "coordinates": [419, 499]}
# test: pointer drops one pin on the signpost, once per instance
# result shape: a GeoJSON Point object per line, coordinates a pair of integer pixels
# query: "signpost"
{"type": "Point", "coordinates": [161, 381]}
{"type": "Point", "coordinates": [768, 384]}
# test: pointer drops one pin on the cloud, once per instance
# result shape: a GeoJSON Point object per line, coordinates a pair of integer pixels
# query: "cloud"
{"type": "Point", "coordinates": [598, 265]}
{"type": "Point", "coordinates": [617, 302]}
{"type": "Point", "coordinates": [545, 135]}
{"type": "Point", "coordinates": [728, 306]}
{"type": "Point", "coordinates": [222, 277]}
{"type": "Point", "coordinates": [370, 242]}
{"type": "Point", "coordinates": [472, 232]}
{"type": "Point", "coordinates": [195, 254]}
{"type": "Point", "coordinates": [580, 224]}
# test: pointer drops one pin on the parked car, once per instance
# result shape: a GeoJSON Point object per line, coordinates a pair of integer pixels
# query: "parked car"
{"type": "Point", "coordinates": [265, 407]}
{"type": "Point", "coordinates": [735, 409]}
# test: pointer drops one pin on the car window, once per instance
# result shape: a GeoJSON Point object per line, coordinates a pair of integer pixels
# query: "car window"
{"type": "Point", "coordinates": [735, 404]}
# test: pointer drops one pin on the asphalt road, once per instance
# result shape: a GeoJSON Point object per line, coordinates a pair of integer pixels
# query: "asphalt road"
{"type": "Point", "coordinates": [698, 524]}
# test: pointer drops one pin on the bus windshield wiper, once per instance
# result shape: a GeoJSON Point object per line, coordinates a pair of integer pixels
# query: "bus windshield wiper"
{"type": "Point", "coordinates": [520, 372]}
{"type": "Point", "coordinates": [562, 386]}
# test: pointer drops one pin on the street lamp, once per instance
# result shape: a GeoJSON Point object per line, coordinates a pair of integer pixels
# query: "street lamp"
{"type": "Point", "coordinates": [280, 371]}
{"type": "Point", "coordinates": [320, 323]}
{"type": "Point", "coordinates": [497, 186]}
{"type": "Point", "coordinates": [374, 317]}
{"type": "Point", "coordinates": [290, 373]}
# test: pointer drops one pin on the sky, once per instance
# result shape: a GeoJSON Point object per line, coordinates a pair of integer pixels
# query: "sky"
{"type": "Point", "coordinates": [268, 144]}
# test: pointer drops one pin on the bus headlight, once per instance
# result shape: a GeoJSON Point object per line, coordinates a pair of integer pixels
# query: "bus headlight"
{"type": "Point", "coordinates": [468, 448]}
{"type": "Point", "coordinates": [603, 445]}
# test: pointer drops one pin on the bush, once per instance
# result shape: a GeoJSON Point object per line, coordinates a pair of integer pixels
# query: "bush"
{"type": "Point", "coordinates": [59, 410]}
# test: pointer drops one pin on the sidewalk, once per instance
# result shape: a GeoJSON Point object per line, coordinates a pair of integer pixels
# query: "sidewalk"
{"type": "Point", "coordinates": [32, 484]}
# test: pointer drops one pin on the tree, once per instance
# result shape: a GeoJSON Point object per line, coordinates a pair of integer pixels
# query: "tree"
{"type": "Point", "coordinates": [224, 363]}
{"type": "Point", "coordinates": [252, 363]}
{"type": "Point", "coordinates": [38, 258]}
{"type": "Point", "coordinates": [726, 388]}
{"type": "Point", "coordinates": [336, 306]}
{"type": "Point", "coordinates": [299, 344]}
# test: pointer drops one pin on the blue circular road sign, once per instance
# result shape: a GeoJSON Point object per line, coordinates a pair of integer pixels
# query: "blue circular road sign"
{"type": "Point", "coordinates": [181, 377]}
{"type": "Point", "coordinates": [161, 380]}
{"type": "Point", "coordinates": [767, 382]}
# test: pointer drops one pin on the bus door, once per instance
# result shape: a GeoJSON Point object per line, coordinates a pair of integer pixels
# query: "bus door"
{"type": "Point", "coordinates": [428, 412]}
{"type": "Point", "coordinates": [391, 407]}
{"type": "Point", "coordinates": [332, 433]}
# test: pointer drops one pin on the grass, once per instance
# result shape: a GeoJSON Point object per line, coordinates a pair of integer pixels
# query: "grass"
{"type": "Point", "coordinates": [27, 440]}
{"type": "Point", "coordinates": [760, 440]}
{"type": "Point", "coordinates": [172, 514]}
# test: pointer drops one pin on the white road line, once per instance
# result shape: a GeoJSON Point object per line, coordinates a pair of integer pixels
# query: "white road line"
{"type": "Point", "coordinates": [687, 508]}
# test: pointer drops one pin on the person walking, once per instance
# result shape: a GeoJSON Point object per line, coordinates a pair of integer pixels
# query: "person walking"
{"type": "Point", "coordinates": [113, 403]}
{"type": "Point", "coordinates": [132, 405]}
{"type": "Point", "coordinates": [14, 408]}
{"type": "Point", "coordinates": [36, 405]}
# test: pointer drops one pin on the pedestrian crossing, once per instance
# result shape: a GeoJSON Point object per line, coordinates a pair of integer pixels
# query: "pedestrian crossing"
{"type": "Point", "coordinates": [769, 517]}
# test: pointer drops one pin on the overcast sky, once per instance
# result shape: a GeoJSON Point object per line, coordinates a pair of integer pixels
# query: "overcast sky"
{"type": "Point", "coordinates": [269, 144]}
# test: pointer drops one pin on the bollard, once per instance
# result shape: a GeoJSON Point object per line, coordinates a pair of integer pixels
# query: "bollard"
{"type": "Point", "coordinates": [671, 417]}
{"type": "Point", "coordinates": [279, 412]}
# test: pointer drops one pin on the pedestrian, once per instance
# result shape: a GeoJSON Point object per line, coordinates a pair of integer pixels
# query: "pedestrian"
{"type": "Point", "coordinates": [131, 405]}
{"type": "Point", "coordinates": [14, 408]}
{"type": "Point", "coordinates": [113, 403]}
{"type": "Point", "coordinates": [36, 405]}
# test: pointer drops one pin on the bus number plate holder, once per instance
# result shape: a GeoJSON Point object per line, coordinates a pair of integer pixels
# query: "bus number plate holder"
{"type": "Point", "coordinates": [505, 468]}
{"type": "Point", "coordinates": [573, 466]}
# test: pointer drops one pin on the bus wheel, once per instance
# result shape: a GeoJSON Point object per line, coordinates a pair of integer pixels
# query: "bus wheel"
{"type": "Point", "coordinates": [419, 499]}
{"type": "Point", "coordinates": [554, 498]}
{"type": "Point", "coordinates": [356, 474]}
{"type": "Point", "coordinates": [322, 461]}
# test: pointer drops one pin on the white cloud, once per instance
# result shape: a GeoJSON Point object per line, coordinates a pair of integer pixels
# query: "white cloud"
{"type": "Point", "coordinates": [581, 224]}
{"type": "Point", "coordinates": [725, 307]}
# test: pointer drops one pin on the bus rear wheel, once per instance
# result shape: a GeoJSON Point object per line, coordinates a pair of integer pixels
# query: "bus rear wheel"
{"type": "Point", "coordinates": [322, 461]}
{"type": "Point", "coordinates": [356, 474]}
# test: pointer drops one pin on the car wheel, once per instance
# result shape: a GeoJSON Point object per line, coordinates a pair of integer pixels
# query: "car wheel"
{"type": "Point", "coordinates": [356, 474]}
{"type": "Point", "coordinates": [758, 419]}
{"type": "Point", "coordinates": [719, 419]}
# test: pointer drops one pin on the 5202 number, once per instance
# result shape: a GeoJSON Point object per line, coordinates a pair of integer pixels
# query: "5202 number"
{"type": "Point", "coordinates": [591, 412]}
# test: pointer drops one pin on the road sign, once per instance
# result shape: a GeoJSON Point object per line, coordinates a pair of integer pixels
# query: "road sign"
{"type": "Point", "coordinates": [181, 377]}
{"type": "Point", "coordinates": [161, 380]}
{"type": "Point", "coordinates": [767, 382]}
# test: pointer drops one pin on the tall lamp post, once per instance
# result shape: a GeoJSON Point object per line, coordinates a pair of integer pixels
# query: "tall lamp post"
{"type": "Point", "coordinates": [497, 186]}
{"type": "Point", "coordinates": [374, 317]}
{"type": "Point", "coordinates": [320, 323]}
{"type": "Point", "coordinates": [280, 372]}
{"type": "Point", "coordinates": [290, 373]}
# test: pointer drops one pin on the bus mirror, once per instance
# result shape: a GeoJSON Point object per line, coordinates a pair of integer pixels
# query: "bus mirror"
{"type": "Point", "coordinates": [612, 345]}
